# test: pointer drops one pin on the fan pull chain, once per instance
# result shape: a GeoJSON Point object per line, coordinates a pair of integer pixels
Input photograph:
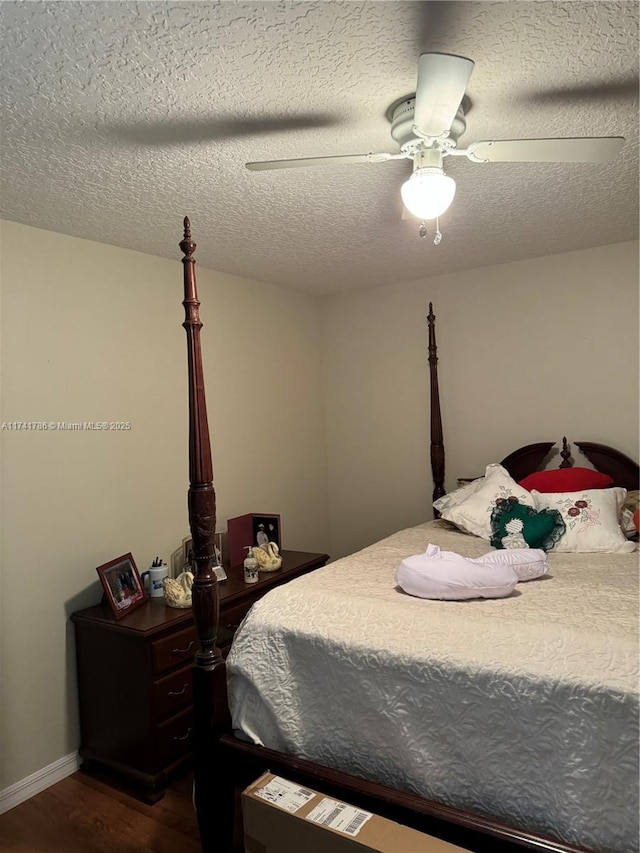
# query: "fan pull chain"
{"type": "Point", "coordinates": [422, 231]}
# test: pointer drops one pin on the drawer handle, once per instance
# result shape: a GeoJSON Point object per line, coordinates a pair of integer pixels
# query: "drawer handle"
{"type": "Point", "coordinates": [184, 737]}
{"type": "Point", "coordinates": [182, 651]}
{"type": "Point", "coordinates": [177, 692]}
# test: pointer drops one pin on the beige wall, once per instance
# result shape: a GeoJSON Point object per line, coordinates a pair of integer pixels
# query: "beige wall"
{"type": "Point", "coordinates": [528, 351]}
{"type": "Point", "coordinates": [93, 333]}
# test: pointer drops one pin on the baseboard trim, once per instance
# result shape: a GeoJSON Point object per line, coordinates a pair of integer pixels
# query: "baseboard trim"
{"type": "Point", "coordinates": [38, 781]}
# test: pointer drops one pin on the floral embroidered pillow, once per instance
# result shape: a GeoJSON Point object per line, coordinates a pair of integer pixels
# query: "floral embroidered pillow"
{"type": "Point", "coordinates": [590, 517]}
{"type": "Point", "coordinates": [470, 507]}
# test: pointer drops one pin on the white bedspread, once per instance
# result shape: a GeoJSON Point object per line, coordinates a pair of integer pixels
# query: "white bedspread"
{"type": "Point", "coordinates": [525, 708]}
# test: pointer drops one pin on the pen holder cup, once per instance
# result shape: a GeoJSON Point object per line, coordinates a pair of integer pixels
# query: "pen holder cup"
{"type": "Point", "coordinates": [152, 580]}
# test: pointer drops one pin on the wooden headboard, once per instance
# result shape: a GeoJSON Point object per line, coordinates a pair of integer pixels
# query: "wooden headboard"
{"type": "Point", "coordinates": [525, 460]}
{"type": "Point", "coordinates": [624, 471]}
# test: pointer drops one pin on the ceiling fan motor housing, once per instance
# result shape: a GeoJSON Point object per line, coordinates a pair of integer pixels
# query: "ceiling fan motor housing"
{"type": "Point", "coordinates": [401, 116]}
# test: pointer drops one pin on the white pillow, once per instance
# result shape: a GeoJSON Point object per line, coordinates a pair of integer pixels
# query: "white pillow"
{"type": "Point", "coordinates": [470, 507]}
{"type": "Point", "coordinates": [445, 575]}
{"type": "Point", "coordinates": [591, 518]}
{"type": "Point", "coordinates": [528, 563]}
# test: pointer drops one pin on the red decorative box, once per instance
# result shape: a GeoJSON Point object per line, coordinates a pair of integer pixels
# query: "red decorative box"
{"type": "Point", "coordinates": [255, 528]}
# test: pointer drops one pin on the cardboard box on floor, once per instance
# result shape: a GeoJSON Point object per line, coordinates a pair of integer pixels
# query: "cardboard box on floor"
{"type": "Point", "coordinates": [283, 817]}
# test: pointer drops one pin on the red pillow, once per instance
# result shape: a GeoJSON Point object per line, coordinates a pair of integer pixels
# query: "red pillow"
{"type": "Point", "coordinates": [566, 480]}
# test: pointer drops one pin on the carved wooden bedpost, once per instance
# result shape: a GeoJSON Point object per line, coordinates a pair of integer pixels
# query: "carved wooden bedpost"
{"type": "Point", "coordinates": [209, 673]}
{"type": "Point", "coordinates": [437, 444]}
{"type": "Point", "coordinates": [202, 496]}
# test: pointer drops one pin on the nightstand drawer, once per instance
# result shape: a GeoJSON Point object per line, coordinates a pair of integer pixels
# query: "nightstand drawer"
{"type": "Point", "coordinates": [172, 692]}
{"type": "Point", "coordinates": [230, 618]}
{"type": "Point", "coordinates": [175, 737]}
{"type": "Point", "coordinates": [173, 650]}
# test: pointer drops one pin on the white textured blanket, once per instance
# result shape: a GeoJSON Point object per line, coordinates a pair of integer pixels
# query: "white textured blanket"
{"type": "Point", "coordinates": [525, 708]}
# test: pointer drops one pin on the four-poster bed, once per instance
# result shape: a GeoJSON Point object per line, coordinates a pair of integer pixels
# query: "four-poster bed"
{"type": "Point", "coordinates": [224, 762]}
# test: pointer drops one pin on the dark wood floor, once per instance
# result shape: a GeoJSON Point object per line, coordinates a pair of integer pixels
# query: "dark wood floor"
{"type": "Point", "coordinates": [81, 815]}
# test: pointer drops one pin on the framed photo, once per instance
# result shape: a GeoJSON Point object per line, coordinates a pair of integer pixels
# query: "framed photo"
{"type": "Point", "coordinates": [217, 542]}
{"type": "Point", "coordinates": [266, 528]}
{"type": "Point", "coordinates": [122, 586]}
{"type": "Point", "coordinates": [187, 551]}
{"type": "Point", "coordinates": [255, 528]}
{"type": "Point", "coordinates": [218, 570]}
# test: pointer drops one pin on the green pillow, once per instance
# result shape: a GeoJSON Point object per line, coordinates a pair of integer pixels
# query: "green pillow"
{"type": "Point", "coordinates": [524, 527]}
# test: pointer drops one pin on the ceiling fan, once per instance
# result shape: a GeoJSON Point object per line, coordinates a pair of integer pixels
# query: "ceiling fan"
{"type": "Point", "coordinates": [427, 127]}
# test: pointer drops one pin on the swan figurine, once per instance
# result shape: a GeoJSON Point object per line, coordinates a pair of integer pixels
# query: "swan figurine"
{"type": "Point", "coordinates": [177, 592]}
{"type": "Point", "coordinates": [268, 557]}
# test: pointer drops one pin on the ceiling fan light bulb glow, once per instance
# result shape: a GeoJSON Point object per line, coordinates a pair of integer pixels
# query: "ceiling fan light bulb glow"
{"type": "Point", "coordinates": [428, 193]}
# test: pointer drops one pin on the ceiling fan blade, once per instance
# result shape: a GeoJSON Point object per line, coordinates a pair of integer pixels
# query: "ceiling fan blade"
{"type": "Point", "coordinates": [625, 88]}
{"type": "Point", "coordinates": [597, 149]}
{"type": "Point", "coordinates": [189, 131]}
{"type": "Point", "coordinates": [321, 161]}
{"type": "Point", "coordinates": [442, 81]}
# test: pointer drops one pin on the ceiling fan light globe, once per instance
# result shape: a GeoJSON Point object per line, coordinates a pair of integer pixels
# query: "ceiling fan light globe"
{"type": "Point", "coordinates": [428, 193]}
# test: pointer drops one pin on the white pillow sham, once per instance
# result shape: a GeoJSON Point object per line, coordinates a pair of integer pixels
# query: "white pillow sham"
{"type": "Point", "coordinates": [591, 518]}
{"type": "Point", "coordinates": [470, 507]}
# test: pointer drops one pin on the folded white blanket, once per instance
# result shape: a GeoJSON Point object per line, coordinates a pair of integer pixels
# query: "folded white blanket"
{"type": "Point", "coordinates": [447, 575]}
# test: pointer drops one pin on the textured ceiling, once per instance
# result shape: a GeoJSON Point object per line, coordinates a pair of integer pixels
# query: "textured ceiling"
{"type": "Point", "coordinates": [120, 118]}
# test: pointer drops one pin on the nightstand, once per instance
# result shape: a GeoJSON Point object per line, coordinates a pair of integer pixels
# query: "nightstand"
{"type": "Point", "coordinates": [134, 677]}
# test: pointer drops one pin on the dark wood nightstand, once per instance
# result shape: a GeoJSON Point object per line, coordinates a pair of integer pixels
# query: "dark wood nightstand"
{"type": "Point", "coordinates": [134, 677]}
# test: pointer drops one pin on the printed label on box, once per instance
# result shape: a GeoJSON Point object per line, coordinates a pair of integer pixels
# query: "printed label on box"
{"type": "Point", "coordinates": [339, 816]}
{"type": "Point", "coordinates": [284, 794]}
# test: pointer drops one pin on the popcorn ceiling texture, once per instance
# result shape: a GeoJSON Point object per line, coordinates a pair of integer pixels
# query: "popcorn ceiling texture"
{"type": "Point", "coordinates": [120, 118]}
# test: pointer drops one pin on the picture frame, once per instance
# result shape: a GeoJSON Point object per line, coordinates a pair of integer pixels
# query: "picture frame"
{"type": "Point", "coordinates": [266, 526]}
{"type": "Point", "coordinates": [252, 529]}
{"type": "Point", "coordinates": [217, 544]}
{"type": "Point", "coordinates": [187, 551]}
{"type": "Point", "coordinates": [218, 570]}
{"type": "Point", "coordinates": [123, 590]}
